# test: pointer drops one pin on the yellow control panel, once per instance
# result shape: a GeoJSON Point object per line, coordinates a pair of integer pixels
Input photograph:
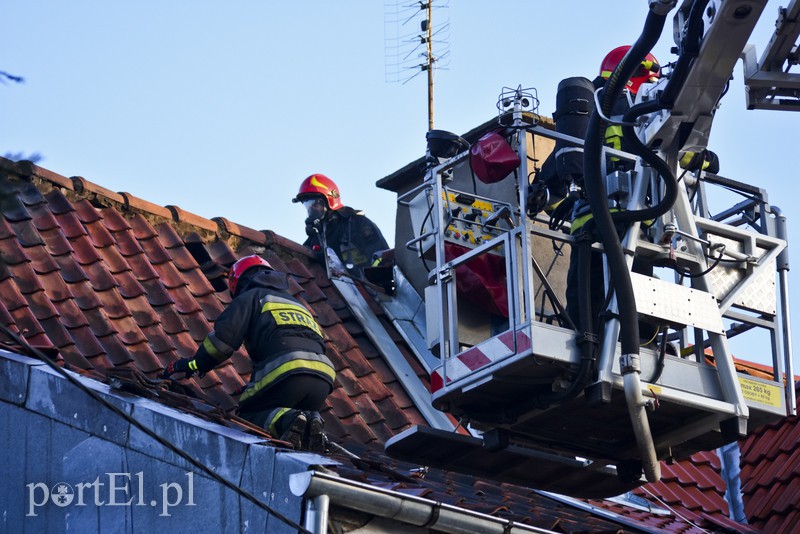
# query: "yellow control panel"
{"type": "Point", "coordinates": [472, 221]}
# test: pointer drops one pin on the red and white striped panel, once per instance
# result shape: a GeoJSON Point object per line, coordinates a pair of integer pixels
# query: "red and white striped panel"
{"type": "Point", "coordinates": [479, 356]}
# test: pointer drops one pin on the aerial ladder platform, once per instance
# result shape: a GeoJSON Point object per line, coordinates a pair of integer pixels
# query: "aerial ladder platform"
{"type": "Point", "coordinates": [553, 407]}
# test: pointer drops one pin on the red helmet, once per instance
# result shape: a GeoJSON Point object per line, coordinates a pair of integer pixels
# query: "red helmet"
{"type": "Point", "coordinates": [319, 184]}
{"type": "Point", "coordinates": [648, 71]}
{"type": "Point", "coordinates": [241, 266]}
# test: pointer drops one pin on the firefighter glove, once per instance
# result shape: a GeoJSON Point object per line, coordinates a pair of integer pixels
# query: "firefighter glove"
{"type": "Point", "coordinates": [183, 365]}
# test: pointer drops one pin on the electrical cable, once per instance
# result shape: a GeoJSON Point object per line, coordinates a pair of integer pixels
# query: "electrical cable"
{"type": "Point", "coordinates": [118, 411]}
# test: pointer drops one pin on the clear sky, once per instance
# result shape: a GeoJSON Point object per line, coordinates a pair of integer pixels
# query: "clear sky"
{"type": "Point", "coordinates": [222, 108]}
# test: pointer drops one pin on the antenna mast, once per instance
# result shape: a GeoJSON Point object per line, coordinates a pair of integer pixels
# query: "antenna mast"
{"type": "Point", "coordinates": [402, 51]}
{"type": "Point", "coordinates": [427, 25]}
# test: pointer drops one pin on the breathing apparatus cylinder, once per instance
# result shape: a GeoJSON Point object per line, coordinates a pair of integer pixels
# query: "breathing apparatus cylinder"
{"type": "Point", "coordinates": [574, 106]}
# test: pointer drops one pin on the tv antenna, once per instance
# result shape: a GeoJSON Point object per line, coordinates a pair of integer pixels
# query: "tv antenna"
{"type": "Point", "coordinates": [410, 53]}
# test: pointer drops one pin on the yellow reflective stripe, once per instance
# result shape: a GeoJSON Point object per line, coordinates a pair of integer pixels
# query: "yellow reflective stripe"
{"type": "Point", "coordinates": [555, 204]}
{"type": "Point", "coordinates": [577, 222]}
{"type": "Point", "coordinates": [193, 365]}
{"type": "Point", "coordinates": [291, 314]}
{"type": "Point", "coordinates": [291, 365]}
{"type": "Point", "coordinates": [272, 428]}
{"type": "Point", "coordinates": [212, 351]}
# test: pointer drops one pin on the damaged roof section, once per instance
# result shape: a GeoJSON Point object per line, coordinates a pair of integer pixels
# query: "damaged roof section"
{"type": "Point", "coordinates": [118, 288]}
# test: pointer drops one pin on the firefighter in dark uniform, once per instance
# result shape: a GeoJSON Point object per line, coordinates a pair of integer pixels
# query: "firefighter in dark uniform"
{"type": "Point", "coordinates": [563, 173]}
{"type": "Point", "coordinates": [347, 231]}
{"type": "Point", "coordinates": [291, 375]}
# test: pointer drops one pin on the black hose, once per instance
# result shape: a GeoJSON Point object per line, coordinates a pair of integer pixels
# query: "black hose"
{"type": "Point", "coordinates": [689, 50]}
{"type": "Point", "coordinates": [595, 189]}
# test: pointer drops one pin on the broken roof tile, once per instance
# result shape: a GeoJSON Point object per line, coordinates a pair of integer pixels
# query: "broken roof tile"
{"type": "Point", "coordinates": [221, 253]}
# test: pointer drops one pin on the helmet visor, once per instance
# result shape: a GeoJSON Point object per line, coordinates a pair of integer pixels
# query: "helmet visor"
{"type": "Point", "coordinates": [315, 207]}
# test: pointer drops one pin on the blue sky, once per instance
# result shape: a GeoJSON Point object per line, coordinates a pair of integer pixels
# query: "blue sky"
{"type": "Point", "coordinates": [222, 108]}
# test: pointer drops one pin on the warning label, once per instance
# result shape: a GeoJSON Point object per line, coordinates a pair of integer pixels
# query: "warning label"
{"type": "Point", "coordinates": [756, 391]}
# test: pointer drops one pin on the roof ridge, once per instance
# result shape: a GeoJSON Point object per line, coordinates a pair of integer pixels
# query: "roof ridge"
{"type": "Point", "coordinates": [125, 202]}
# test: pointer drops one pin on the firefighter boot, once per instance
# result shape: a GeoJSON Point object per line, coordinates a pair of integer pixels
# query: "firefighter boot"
{"type": "Point", "coordinates": [317, 440]}
{"type": "Point", "coordinates": [294, 429]}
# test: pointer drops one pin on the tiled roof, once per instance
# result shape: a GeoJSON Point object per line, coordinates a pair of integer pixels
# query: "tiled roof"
{"type": "Point", "coordinates": [118, 287]}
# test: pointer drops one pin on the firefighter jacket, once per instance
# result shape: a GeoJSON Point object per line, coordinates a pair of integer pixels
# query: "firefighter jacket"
{"type": "Point", "coordinates": [279, 333]}
{"type": "Point", "coordinates": [352, 236]}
